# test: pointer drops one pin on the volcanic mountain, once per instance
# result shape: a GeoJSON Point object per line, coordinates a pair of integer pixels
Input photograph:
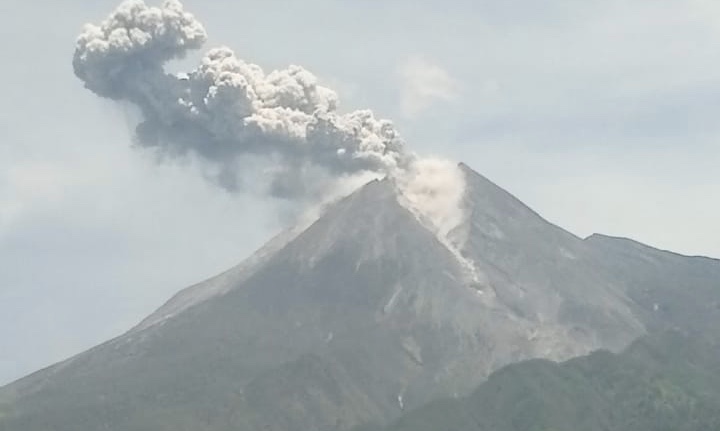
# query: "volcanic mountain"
{"type": "Point", "coordinates": [367, 313]}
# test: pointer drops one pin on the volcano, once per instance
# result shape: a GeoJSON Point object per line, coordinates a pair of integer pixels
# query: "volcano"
{"type": "Point", "coordinates": [367, 313]}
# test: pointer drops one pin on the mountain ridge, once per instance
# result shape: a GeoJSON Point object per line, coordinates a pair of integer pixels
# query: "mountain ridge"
{"type": "Point", "coordinates": [634, 243]}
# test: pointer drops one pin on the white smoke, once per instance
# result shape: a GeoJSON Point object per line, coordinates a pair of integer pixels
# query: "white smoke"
{"type": "Point", "coordinates": [231, 114]}
{"type": "Point", "coordinates": [436, 187]}
{"type": "Point", "coordinates": [433, 189]}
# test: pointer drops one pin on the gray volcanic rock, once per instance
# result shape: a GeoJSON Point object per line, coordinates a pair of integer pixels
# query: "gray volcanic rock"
{"type": "Point", "coordinates": [358, 317]}
{"type": "Point", "coordinates": [668, 291]}
{"type": "Point", "coordinates": [543, 272]}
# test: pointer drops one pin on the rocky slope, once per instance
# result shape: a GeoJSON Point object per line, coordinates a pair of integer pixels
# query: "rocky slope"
{"type": "Point", "coordinates": [362, 316]}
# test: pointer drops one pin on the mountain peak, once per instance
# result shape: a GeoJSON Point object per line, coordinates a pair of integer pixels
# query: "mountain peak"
{"type": "Point", "coordinates": [365, 312]}
{"type": "Point", "coordinates": [496, 202]}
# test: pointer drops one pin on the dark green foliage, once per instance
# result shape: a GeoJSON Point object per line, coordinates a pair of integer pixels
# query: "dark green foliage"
{"type": "Point", "coordinates": [669, 382]}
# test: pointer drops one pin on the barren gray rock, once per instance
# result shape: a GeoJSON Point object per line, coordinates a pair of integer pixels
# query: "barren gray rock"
{"type": "Point", "coordinates": [364, 314]}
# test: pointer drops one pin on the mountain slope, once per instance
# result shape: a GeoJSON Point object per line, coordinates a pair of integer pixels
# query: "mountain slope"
{"type": "Point", "coordinates": [668, 290]}
{"type": "Point", "coordinates": [327, 282]}
{"type": "Point", "coordinates": [664, 382]}
{"type": "Point", "coordinates": [359, 317]}
{"type": "Point", "coordinates": [365, 308]}
{"type": "Point", "coordinates": [542, 271]}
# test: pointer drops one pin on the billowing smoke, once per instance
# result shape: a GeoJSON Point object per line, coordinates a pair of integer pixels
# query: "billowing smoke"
{"type": "Point", "coordinates": [227, 110]}
{"type": "Point", "coordinates": [436, 186]}
{"type": "Point", "coordinates": [231, 114]}
{"type": "Point", "coordinates": [433, 189]}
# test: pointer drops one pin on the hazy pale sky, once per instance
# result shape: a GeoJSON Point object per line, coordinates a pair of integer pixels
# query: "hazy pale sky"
{"type": "Point", "coordinates": [601, 115]}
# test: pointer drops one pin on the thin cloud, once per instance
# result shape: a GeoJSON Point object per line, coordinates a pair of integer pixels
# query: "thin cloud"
{"type": "Point", "coordinates": [423, 84]}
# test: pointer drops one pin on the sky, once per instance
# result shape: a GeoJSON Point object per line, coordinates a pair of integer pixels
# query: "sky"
{"type": "Point", "coordinates": [600, 115]}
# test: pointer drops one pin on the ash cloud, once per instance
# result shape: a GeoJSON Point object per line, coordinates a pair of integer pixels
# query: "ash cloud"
{"type": "Point", "coordinates": [226, 108]}
{"type": "Point", "coordinates": [282, 126]}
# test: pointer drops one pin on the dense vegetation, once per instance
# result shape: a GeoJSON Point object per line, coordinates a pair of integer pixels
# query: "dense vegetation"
{"type": "Point", "coordinates": [669, 382]}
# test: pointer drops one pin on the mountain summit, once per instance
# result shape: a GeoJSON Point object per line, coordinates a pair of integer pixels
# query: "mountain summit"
{"type": "Point", "coordinates": [364, 314]}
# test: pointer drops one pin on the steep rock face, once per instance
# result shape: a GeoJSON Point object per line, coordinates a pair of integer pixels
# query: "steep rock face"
{"type": "Point", "coordinates": [356, 318]}
{"type": "Point", "coordinates": [543, 272]}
